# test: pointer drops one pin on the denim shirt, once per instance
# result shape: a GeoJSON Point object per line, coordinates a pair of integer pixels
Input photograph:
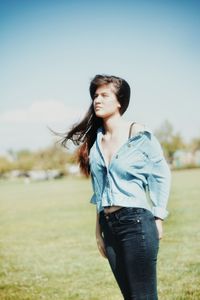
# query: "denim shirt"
{"type": "Point", "coordinates": [137, 175]}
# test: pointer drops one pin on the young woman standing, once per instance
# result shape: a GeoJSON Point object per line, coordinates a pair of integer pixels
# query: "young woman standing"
{"type": "Point", "coordinates": [126, 164]}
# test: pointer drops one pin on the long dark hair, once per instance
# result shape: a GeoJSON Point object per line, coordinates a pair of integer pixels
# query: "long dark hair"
{"type": "Point", "coordinates": [83, 134]}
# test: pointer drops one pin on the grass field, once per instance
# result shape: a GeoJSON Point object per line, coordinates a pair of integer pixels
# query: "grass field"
{"type": "Point", "coordinates": [48, 248]}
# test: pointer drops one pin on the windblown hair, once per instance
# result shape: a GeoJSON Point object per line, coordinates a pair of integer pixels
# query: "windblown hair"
{"type": "Point", "coordinates": [83, 134]}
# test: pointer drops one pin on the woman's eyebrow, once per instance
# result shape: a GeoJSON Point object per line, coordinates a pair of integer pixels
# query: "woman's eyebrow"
{"type": "Point", "coordinates": [102, 93]}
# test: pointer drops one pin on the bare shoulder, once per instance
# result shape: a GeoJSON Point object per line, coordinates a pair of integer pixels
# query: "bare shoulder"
{"type": "Point", "coordinates": [136, 128]}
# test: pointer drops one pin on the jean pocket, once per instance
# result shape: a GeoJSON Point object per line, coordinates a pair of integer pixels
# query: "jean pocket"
{"type": "Point", "coordinates": [128, 219]}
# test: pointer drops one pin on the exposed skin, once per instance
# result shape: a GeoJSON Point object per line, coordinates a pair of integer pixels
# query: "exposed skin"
{"type": "Point", "coordinates": [99, 238]}
{"type": "Point", "coordinates": [106, 106]}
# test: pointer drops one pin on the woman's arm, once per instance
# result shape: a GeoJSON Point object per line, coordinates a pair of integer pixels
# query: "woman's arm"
{"type": "Point", "coordinates": [158, 178]}
{"type": "Point", "coordinates": [99, 238]}
{"type": "Point", "coordinates": [159, 187]}
{"type": "Point", "coordinates": [159, 225]}
{"type": "Point", "coordinates": [159, 183]}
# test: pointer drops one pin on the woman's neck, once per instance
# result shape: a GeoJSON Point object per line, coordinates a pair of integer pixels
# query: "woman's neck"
{"type": "Point", "coordinates": [114, 124]}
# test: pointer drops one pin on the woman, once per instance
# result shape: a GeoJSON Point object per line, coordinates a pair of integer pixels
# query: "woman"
{"type": "Point", "coordinates": [131, 183]}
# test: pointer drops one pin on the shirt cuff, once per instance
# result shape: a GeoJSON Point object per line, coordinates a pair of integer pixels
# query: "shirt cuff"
{"type": "Point", "coordinates": [93, 200]}
{"type": "Point", "coordinates": [160, 212]}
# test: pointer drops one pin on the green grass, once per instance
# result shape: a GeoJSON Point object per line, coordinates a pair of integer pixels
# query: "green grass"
{"type": "Point", "coordinates": [48, 248]}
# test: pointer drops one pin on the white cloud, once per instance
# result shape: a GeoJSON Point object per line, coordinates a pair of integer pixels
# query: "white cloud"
{"type": "Point", "coordinates": [42, 112]}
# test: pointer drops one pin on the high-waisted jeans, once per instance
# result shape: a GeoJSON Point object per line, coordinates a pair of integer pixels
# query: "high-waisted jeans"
{"type": "Point", "coordinates": [131, 241]}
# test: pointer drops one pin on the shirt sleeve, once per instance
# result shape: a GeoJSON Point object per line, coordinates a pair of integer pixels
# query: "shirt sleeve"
{"type": "Point", "coordinates": [93, 199]}
{"type": "Point", "coordinates": [159, 180]}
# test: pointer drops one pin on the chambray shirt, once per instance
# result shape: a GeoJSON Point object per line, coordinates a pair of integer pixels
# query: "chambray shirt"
{"type": "Point", "coordinates": [137, 175]}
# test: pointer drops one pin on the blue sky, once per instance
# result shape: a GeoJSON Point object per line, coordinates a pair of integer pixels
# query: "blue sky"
{"type": "Point", "coordinates": [50, 50]}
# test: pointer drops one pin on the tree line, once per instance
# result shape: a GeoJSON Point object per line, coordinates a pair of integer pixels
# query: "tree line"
{"type": "Point", "coordinates": [57, 157]}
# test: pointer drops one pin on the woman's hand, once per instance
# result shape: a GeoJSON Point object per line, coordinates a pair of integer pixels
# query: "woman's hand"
{"type": "Point", "coordinates": [99, 238]}
{"type": "Point", "coordinates": [101, 245]}
{"type": "Point", "coordinates": [159, 226]}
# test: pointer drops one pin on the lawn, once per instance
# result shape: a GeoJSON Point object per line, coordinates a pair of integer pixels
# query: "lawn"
{"type": "Point", "coordinates": [48, 248]}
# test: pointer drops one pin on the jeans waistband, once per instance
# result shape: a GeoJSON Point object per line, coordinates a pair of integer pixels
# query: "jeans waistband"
{"type": "Point", "coordinates": [122, 211]}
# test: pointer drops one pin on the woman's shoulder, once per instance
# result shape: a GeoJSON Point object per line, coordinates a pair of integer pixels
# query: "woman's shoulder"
{"type": "Point", "coordinates": [137, 127]}
{"type": "Point", "coordinates": [151, 143]}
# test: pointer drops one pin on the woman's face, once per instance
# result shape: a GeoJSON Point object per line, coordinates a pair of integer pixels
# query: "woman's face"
{"type": "Point", "coordinates": [105, 101]}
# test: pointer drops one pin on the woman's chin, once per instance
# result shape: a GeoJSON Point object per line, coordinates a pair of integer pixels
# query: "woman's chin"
{"type": "Point", "coordinates": [99, 114]}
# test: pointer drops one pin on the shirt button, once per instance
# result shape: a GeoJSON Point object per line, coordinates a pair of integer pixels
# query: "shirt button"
{"type": "Point", "coordinates": [129, 145]}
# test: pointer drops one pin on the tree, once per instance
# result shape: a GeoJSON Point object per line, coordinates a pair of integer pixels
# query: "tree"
{"type": "Point", "coordinates": [169, 140]}
{"type": "Point", "coordinates": [53, 157]}
{"type": "Point", "coordinates": [5, 165]}
{"type": "Point", "coordinates": [195, 144]}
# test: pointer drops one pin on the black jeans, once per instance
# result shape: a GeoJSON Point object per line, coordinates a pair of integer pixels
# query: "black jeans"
{"type": "Point", "coordinates": [131, 240]}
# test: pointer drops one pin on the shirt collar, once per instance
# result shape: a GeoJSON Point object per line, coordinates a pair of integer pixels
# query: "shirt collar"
{"type": "Point", "coordinates": [146, 130]}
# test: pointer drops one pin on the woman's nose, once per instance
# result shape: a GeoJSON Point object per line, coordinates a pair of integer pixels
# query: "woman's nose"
{"type": "Point", "coordinates": [98, 99]}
